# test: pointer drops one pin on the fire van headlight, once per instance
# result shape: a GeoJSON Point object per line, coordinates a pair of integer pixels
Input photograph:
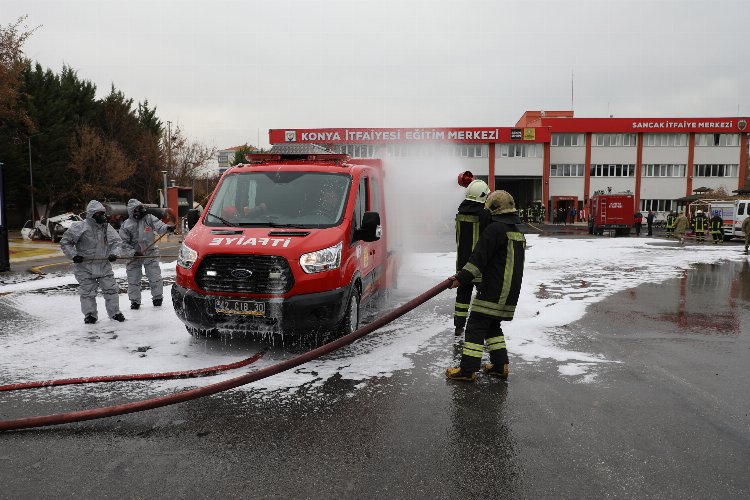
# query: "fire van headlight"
{"type": "Point", "coordinates": [322, 260]}
{"type": "Point", "coordinates": [186, 257]}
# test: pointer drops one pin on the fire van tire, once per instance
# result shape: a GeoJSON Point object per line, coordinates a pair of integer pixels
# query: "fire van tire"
{"type": "Point", "coordinates": [352, 316]}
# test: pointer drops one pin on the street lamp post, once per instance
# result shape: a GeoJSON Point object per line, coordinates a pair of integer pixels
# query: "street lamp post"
{"type": "Point", "coordinates": [31, 182]}
{"type": "Point", "coordinates": [4, 248]}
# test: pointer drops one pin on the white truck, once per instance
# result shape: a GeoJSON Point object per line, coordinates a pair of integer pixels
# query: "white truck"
{"type": "Point", "coordinates": [733, 212]}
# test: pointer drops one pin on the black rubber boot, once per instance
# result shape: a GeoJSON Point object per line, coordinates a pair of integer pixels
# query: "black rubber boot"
{"type": "Point", "coordinates": [118, 317]}
{"type": "Point", "coordinates": [89, 319]}
{"type": "Point", "coordinates": [157, 302]}
{"type": "Point", "coordinates": [134, 305]}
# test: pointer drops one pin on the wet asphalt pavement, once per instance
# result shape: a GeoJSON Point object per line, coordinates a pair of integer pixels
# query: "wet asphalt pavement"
{"type": "Point", "coordinates": [667, 419]}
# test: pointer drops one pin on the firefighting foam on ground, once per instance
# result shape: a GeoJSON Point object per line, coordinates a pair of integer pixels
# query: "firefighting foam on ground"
{"type": "Point", "coordinates": [43, 338]}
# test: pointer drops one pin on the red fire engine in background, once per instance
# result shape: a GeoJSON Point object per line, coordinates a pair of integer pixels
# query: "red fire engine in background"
{"type": "Point", "coordinates": [611, 212]}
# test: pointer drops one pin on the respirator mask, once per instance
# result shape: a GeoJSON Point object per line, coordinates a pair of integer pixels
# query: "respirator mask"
{"type": "Point", "coordinates": [100, 218]}
{"type": "Point", "coordinates": [139, 212]}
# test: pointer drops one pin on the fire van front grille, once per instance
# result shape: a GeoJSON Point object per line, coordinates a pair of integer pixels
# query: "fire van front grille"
{"type": "Point", "coordinates": [245, 274]}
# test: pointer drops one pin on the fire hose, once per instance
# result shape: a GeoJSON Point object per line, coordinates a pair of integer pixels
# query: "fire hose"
{"type": "Point", "coordinates": [201, 372]}
{"type": "Point", "coordinates": [180, 397]}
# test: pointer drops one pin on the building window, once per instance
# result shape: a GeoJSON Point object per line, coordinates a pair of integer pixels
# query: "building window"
{"type": "Point", "coordinates": [657, 205]}
{"type": "Point", "coordinates": [519, 151]}
{"type": "Point", "coordinates": [717, 139]}
{"type": "Point", "coordinates": [471, 150]}
{"type": "Point", "coordinates": [397, 150]}
{"type": "Point", "coordinates": [356, 150]}
{"type": "Point", "coordinates": [664, 170]}
{"type": "Point", "coordinates": [615, 140]}
{"type": "Point", "coordinates": [715, 170]}
{"type": "Point", "coordinates": [567, 140]}
{"type": "Point", "coordinates": [665, 140]}
{"type": "Point", "coordinates": [566, 170]}
{"type": "Point", "coordinates": [612, 170]}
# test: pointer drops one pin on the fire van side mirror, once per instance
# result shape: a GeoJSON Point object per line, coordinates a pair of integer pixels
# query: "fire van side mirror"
{"type": "Point", "coordinates": [370, 230]}
{"type": "Point", "coordinates": [192, 217]}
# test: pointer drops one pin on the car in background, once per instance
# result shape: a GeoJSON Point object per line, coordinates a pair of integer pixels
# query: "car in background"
{"type": "Point", "coordinates": [49, 228]}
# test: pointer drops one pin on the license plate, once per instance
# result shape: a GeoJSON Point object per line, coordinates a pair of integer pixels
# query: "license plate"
{"type": "Point", "coordinates": [246, 307]}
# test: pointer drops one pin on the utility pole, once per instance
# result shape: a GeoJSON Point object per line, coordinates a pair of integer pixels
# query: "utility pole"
{"type": "Point", "coordinates": [169, 148]}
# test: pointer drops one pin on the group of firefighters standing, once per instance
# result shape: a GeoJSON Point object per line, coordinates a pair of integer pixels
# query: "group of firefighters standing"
{"type": "Point", "coordinates": [678, 224]}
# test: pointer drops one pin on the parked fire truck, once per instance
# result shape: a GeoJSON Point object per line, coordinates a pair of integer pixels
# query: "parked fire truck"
{"type": "Point", "coordinates": [611, 212]}
{"type": "Point", "coordinates": [287, 243]}
{"type": "Point", "coordinates": [733, 214]}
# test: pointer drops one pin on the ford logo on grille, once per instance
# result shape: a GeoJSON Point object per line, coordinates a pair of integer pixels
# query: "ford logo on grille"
{"type": "Point", "coordinates": [241, 273]}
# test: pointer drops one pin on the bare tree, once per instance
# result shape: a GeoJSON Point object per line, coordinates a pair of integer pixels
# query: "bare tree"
{"type": "Point", "coordinates": [187, 160]}
{"type": "Point", "coordinates": [12, 38]}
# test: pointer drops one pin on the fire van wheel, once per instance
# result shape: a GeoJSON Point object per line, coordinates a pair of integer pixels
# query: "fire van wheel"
{"type": "Point", "coordinates": [352, 316]}
{"type": "Point", "coordinates": [201, 332]}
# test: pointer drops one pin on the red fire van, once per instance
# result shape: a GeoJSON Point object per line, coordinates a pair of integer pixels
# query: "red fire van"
{"type": "Point", "coordinates": [287, 243]}
{"type": "Point", "coordinates": [611, 211]}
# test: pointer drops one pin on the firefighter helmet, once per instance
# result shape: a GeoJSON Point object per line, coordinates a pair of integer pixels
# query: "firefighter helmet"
{"type": "Point", "coordinates": [500, 202]}
{"type": "Point", "coordinates": [477, 191]}
{"type": "Point", "coordinates": [699, 212]}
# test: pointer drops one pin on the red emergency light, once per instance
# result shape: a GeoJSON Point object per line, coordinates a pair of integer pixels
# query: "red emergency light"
{"type": "Point", "coordinates": [465, 178]}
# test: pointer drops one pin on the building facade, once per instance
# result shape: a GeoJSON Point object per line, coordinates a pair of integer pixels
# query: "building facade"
{"type": "Point", "coordinates": [561, 161]}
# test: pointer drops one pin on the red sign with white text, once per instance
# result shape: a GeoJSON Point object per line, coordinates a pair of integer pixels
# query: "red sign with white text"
{"type": "Point", "coordinates": [395, 135]}
{"type": "Point", "coordinates": [647, 125]}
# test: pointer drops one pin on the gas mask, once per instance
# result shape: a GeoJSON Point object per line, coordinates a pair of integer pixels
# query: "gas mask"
{"type": "Point", "coordinates": [139, 212]}
{"type": "Point", "coordinates": [100, 218]}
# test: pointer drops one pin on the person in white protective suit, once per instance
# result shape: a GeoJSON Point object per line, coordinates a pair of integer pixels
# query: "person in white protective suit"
{"type": "Point", "coordinates": [93, 245]}
{"type": "Point", "coordinates": [138, 234]}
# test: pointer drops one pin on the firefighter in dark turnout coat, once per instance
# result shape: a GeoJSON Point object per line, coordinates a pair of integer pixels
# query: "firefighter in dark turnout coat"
{"type": "Point", "coordinates": [700, 223]}
{"type": "Point", "coordinates": [717, 228]}
{"type": "Point", "coordinates": [471, 220]}
{"type": "Point", "coordinates": [499, 259]}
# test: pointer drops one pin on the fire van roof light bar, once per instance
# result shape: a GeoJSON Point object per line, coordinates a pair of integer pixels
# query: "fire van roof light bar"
{"type": "Point", "coordinates": [259, 158]}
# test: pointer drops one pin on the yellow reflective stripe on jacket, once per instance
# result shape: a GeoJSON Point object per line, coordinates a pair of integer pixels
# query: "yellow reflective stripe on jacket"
{"type": "Point", "coordinates": [493, 312]}
{"type": "Point", "coordinates": [516, 236]}
{"type": "Point", "coordinates": [461, 305]}
{"type": "Point", "coordinates": [508, 275]}
{"type": "Point", "coordinates": [474, 220]}
{"type": "Point", "coordinates": [474, 270]}
{"type": "Point", "coordinates": [473, 350]}
{"type": "Point", "coordinates": [492, 305]}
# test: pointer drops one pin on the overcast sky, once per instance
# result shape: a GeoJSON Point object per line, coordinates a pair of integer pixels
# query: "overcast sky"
{"type": "Point", "coordinates": [227, 71]}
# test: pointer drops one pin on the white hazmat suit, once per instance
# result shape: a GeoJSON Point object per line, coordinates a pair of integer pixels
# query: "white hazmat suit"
{"type": "Point", "coordinates": [138, 236]}
{"type": "Point", "coordinates": [94, 242]}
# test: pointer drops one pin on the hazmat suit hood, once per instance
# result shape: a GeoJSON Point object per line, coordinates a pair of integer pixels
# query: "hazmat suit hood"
{"type": "Point", "coordinates": [93, 207]}
{"type": "Point", "coordinates": [132, 204]}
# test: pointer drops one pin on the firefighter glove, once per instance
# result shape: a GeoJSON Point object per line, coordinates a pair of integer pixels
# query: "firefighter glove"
{"type": "Point", "coordinates": [112, 257]}
{"type": "Point", "coordinates": [78, 259]}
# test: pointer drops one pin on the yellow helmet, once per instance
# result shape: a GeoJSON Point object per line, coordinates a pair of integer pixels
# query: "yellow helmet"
{"type": "Point", "coordinates": [477, 191]}
{"type": "Point", "coordinates": [500, 202]}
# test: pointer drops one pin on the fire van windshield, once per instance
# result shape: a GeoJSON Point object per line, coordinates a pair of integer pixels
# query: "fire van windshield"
{"type": "Point", "coordinates": [280, 199]}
